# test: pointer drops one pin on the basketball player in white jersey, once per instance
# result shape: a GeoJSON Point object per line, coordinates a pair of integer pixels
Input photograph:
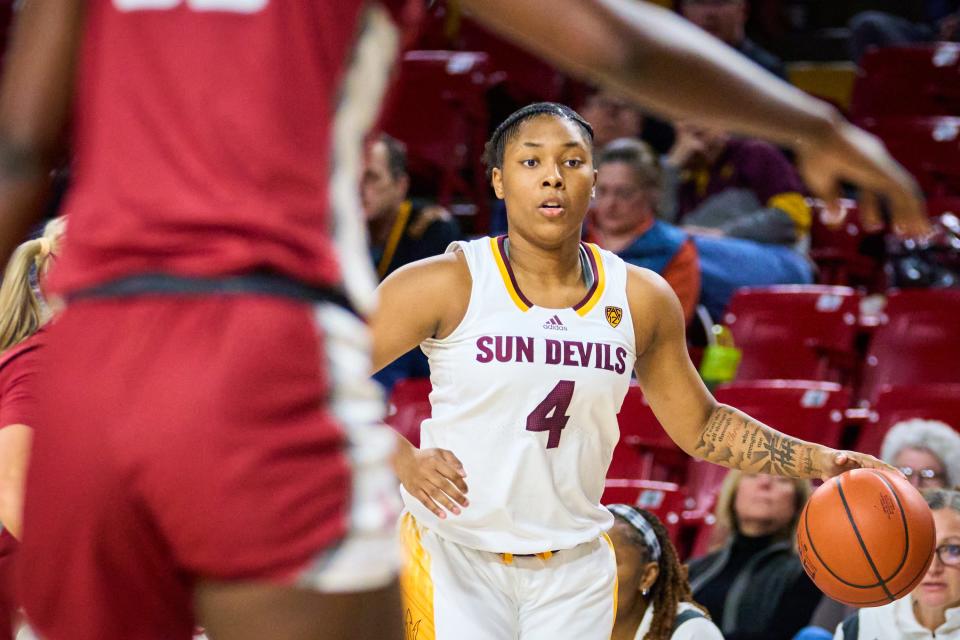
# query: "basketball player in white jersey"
{"type": "Point", "coordinates": [532, 338]}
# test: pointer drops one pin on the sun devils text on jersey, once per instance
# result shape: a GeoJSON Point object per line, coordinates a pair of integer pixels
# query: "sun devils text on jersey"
{"type": "Point", "coordinates": [527, 398]}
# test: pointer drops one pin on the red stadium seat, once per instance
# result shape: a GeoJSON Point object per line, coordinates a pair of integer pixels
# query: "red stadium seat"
{"type": "Point", "coordinates": [663, 499]}
{"type": "Point", "coordinates": [908, 81]}
{"type": "Point", "coordinates": [803, 332]}
{"type": "Point", "coordinates": [805, 409]}
{"type": "Point", "coordinates": [929, 147]}
{"type": "Point", "coordinates": [897, 403]}
{"type": "Point", "coordinates": [525, 77]}
{"type": "Point", "coordinates": [645, 451]}
{"type": "Point", "coordinates": [916, 341]}
{"type": "Point", "coordinates": [409, 406]}
{"type": "Point", "coordinates": [437, 107]}
{"type": "Point", "coordinates": [845, 253]}
{"type": "Point", "coordinates": [704, 480]}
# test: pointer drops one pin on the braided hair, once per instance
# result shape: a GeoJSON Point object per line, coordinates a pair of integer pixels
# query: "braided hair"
{"type": "Point", "coordinates": [493, 150]}
{"type": "Point", "coordinates": [671, 587]}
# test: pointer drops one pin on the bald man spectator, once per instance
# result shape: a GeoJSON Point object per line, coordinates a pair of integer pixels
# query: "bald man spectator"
{"type": "Point", "coordinates": [726, 20]}
{"type": "Point", "coordinates": [400, 231]}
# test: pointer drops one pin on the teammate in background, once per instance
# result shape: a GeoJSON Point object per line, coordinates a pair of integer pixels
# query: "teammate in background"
{"type": "Point", "coordinates": [193, 407]}
{"type": "Point", "coordinates": [531, 339]}
{"type": "Point", "coordinates": [22, 316]}
{"type": "Point", "coordinates": [654, 600]}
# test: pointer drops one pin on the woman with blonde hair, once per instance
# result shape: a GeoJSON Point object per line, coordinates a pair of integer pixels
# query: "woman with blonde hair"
{"type": "Point", "coordinates": [22, 316]}
{"type": "Point", "coordinates": [754, 586]}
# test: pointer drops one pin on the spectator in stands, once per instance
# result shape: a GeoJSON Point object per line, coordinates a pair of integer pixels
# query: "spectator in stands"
{"type": "Point", "coordinates": [932, 610]}
{"type": "Point", "coordinates": [726, 191]}
{"type": "Point", "coordinates": [700, 268]}
{"type": "Point", "coordinates": [726, 20]}
{"type": "Point", "coordinates": [868, 29]}
{"type": "Point", "coordinates": [653, 594]}
{"type": "Point", "coordinates": [754, 586]}
{"type": "Point", "coordinates": [611, 116]}
{"type": "Point", "coordinates": [400, 231]}
{"type": "Point", "coordinates": [624, 220]}
{"type": "Point", "coordinates": [736, 187]}
{"type": "Point", "coordinates": [926, 451]}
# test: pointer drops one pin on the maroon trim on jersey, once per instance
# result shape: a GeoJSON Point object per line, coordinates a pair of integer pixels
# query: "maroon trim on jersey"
{"type": "Point", "coordinates": [516, 287]}
{"type": "Point", "coordinates": [506, 262]}
{"type": "Point", "coordinates": [596, 276]}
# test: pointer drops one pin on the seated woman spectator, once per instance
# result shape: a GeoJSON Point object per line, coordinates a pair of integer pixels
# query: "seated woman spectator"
{"type": "Point", "coordinates": [928, 454]}
{"type": "Point", "coordinates": [932, 610]}
{"type": "Point", "coordinates": [926, 451]}
{"type": "Point", "coordinates": [754, 586]}
{"type": "Point", "coordinates": [624, 220]}
{"type": "Point", "coordinates": [701, 269]}
{"type": "Point", "coordinates": [653, 595]}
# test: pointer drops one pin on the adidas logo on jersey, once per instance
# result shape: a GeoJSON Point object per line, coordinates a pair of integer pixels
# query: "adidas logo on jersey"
{"type": "Point", "coordinates": [555, 324]}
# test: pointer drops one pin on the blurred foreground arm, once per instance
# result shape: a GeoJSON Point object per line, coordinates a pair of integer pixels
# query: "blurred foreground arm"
{"type": "Point", "coordinates": [35, 100]}
{"type": "Point", "coordinates": [671, 66]}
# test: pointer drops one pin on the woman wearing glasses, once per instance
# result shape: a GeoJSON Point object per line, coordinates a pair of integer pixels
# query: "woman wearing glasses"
{"type": "Point", "coordinates": [926, 451]}
{"type": "Point", "coordinates": [932, 610]}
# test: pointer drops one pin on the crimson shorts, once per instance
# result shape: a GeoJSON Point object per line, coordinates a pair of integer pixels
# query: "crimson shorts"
{"type": "Point", "coordinates": [182, 438]}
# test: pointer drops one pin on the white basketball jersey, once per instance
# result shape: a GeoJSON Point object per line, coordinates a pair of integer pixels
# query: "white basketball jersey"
{"type": "Point", "coordinates": [527, 398]}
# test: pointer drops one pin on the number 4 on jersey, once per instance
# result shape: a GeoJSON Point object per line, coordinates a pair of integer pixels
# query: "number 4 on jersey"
{"type": "Point", "coordinates": [551, 414]}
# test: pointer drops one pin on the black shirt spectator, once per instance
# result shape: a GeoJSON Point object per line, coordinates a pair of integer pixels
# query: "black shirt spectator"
{"type": "Point", "coordinates": [400, 231]}
{"type": "Point", "coordinates": [754, 585]}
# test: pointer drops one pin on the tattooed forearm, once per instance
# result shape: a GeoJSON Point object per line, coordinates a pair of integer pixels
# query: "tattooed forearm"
{"type": "Point", "coordinates": [732, 439]}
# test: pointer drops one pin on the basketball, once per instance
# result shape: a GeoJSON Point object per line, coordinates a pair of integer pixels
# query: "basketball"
{"type": "Point", "coordinates": [866, 537]}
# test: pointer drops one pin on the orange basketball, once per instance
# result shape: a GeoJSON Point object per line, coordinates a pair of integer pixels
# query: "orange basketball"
{"type": "Point", "coordinates": [866, 537]}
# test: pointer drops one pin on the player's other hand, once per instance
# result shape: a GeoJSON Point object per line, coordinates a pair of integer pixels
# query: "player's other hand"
{"type": "Point", "coordinates": [435, 477]}
{"type": "Point", "coordinates": [845, 153]}
{"type": "Point", "coordinates": [836, 462]}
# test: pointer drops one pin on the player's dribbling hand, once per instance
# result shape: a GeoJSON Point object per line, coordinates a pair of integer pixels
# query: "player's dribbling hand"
{"type": "Point", "coordinates": [848, 153]}
{"type": "Point", "coordinates": [836, 462]}
{"type": "Point", "coordinates": [435, 477]}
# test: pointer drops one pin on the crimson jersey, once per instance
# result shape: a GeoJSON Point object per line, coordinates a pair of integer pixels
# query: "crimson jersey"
{"type": "Point", "coordinates": [217, 137]}
{"type": "Point", "coordinates": [19, 367]}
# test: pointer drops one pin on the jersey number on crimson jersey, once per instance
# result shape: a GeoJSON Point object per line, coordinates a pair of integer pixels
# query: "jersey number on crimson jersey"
{"type": "Point", "coordinates": [234, 6]}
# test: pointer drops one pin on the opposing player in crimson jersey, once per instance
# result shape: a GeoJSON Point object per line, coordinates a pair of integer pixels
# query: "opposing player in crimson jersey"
{"type": "Point", "coordinates": [206, 448]}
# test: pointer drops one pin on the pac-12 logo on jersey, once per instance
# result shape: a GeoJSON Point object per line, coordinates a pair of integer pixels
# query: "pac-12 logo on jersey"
{"type": "Point", "coordinates": [614, 315]}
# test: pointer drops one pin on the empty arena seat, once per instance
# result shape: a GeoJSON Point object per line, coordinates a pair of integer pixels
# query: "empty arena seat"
{"type": "Point", "coordinates": [806, 409]}
{"type": "Point", "coordinates": [663, 499]}
{"type": "Point", "coordinates": [908, 81]}
{"type": "Point", "coordinates": [409, 406]}
{"type": "Point", "coordinates": [916, 341]}
{"type": "Point", "coordinates": [525, 77]}
{"type": "Point", "coordinates": [645, 451]}
{"type": "Point", "coordinates": [845, 253]}
{"type": "Point", "coordinates": [905, 402]}
{"type": "Point", "coordinates": [438, 108]}
{"type": "Point", "coordinates": [803, 332]}
{"type": "Point", "coordinates": [929, 147]}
